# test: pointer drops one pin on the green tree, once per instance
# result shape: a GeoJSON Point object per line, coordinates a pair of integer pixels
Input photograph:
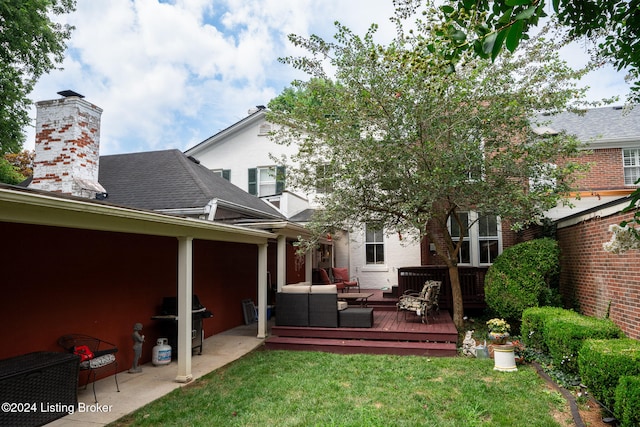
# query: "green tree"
{"type": "Point", "coordinates": [31, 45]}
{"type": "Point", "coordinates": [485, 27]}
{"type": "Point", "coordinates": [409, 145]}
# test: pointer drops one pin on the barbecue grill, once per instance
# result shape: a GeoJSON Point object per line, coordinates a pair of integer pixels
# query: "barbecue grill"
{"type": "Point", "coordinates": [169, 323]}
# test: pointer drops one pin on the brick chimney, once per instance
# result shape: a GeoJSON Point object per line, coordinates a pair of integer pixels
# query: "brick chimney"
{"type": "Point", "coordinates": [67, 147]}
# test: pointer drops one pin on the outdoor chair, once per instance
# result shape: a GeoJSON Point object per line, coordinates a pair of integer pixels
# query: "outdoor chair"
{"type": "Point", "coordinates": [94, 354]}
{"type": "Point", "coordinates": [342, 275]}
{"type": "Point", "coordinates": [421, 303]}
{"type": "Point", "coordinates": [325, 280]}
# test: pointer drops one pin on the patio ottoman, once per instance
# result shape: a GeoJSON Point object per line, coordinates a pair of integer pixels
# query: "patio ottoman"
{"type": "Point", "coordinates": [356, 318]}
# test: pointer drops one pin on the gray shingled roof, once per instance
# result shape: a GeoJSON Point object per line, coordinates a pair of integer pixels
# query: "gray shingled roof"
{"type": "Point", "coordinates": [169, 180]}
{"type": "Point", "coordinates": [606, 123]}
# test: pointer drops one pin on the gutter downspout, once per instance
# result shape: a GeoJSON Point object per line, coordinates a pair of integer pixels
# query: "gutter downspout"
{"type": "Point", "coordinates": [211, 209]}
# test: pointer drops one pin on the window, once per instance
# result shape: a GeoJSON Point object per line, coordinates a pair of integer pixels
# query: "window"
{"type": "Point", "coordinates": [224, 173]}
{"type": "Point", "coordinates": [264, 129]}
{"type": "Point", "coordinates": [481, 238]}
{"type": "Point", "coordinates": [455, 229]}
{"type": "Point", "coordinates": [324, 183]}
{"type": "Point", "coordinates": [266, 181]}
{"type": "Point", "coordinates": [374, 245]}
{"type": "Point", "coordinates": [631, 163]}
{"type": "Point", "coordinates": [488, 238]}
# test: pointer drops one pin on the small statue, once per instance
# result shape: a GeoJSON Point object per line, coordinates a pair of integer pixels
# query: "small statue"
{"type": "Point", "coordinates": [469, 344]}
{"type": "Point", "coordinates": [138, 339]}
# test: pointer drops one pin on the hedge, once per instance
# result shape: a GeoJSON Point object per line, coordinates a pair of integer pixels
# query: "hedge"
{"type": "Point", "coordinates": [627, 405]}
{"type": "Point", "coordinates": [565, 335]}
{"type": "Point", "coordinates": [603, 362]}
{"type": "Point", "coordinates": [533, 321]}
{"type": "Point", "coordinates": [521, 277]}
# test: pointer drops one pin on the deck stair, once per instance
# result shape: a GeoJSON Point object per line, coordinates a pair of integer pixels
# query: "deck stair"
{"type": "Point", "coordinates": [391, 333]}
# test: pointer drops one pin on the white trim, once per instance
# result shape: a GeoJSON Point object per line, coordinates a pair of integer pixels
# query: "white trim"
{"type": "Point", "coordinates": [374, 268]}
{"type": "Point", "coordinates": [594, 214]}
{"type": "Point", "coordinates": [33, 207]}
{"type": "Point", "coordinates": [185, 307]}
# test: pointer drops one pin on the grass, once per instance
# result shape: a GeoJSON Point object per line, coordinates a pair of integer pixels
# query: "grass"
{"type": "Point", "coordinates": [287, 388]}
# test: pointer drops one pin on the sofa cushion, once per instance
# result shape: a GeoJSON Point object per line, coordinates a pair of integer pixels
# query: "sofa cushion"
{"type": "Point", "coordinates": [296, 289]}
{"type": "Point", "coordinates": [324, 289]}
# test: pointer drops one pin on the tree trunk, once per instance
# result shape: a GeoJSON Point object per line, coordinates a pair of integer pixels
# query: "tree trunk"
{"type": "Point", "coordinates": [456, 294]}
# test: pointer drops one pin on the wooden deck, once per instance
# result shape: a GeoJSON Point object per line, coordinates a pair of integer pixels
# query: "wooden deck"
{"type": "Point", "coordinates": [391, 334]}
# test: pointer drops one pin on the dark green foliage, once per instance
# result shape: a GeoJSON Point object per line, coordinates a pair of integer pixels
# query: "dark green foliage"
{"type": "Point", "coordinates": [31, 44]}
{"type": "Point", "coordinates": [533, 321]}
{"type": "Point", "coordinates": [8, 173]}
{"type": "Point", "coordinates": [486, 27]}
{"type": "Point", "coordinates": [521, 277]}
{"type": "Point", "coordinates": [627, 406]}
{"type": "Point", "coordinates": [603, 362]}
{"type": "Point", "coordinates": [565, 335]}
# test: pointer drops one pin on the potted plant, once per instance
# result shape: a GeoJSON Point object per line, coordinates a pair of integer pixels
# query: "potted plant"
{"type": "Point", "coordinates": [498, 330]}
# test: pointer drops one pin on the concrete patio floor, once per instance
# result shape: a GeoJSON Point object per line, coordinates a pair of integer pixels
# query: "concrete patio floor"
{"type": "Point", "coordinates": [136, 390]}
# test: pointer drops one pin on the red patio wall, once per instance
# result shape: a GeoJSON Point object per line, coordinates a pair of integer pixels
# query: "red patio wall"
{"type": "Point", "coordinates": [591, 278]}
{"type": "Point", "coordinates": [59, 280]}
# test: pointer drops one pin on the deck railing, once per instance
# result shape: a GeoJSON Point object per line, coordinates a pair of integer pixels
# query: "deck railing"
{"type": "Point", "coordinates": [471, 283]}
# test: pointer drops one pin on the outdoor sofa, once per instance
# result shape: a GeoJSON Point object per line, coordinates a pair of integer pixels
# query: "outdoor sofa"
{"type": "Point", "coordinates": [305, 305]}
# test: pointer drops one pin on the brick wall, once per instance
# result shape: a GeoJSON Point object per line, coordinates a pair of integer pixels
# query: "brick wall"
{"type": "Point", "coordinates": [67, 146]}
{"type": "Point", "coordinates": [594, 281]}
{"type": "Point", "coordinates": [606, 171]}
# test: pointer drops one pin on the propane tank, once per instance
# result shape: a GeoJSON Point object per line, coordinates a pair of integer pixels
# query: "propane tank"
{"type": "Point", "coordinates": [161, 354]}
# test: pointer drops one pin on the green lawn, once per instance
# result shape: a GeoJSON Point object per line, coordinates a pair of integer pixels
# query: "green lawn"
{"type": "Point", "coordinates": [286, 388]}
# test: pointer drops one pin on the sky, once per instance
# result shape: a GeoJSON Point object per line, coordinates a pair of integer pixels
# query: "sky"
{"type": "Point", "coordinates": [172, 73]}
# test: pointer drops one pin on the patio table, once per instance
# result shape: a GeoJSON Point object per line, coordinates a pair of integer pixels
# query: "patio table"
{"type": "Point", "coordinates": [362, 297]}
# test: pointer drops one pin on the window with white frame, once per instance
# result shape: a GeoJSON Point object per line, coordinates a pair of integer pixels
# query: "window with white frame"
{"type": "Point", "coordinates": [374, 245]}
{"type": "Point", "coordinates": [481, 238]}
{"type": "Point", "coordinates": [224, 173]}
{"type": "Point", "coordinates": [266, 181]}
{"type": "Point", "coordinates": [324, 179]}
{"type": "Point", "coordinates": [631, 163]}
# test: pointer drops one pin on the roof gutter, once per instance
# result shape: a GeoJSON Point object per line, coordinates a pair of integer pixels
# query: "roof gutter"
{"type": "Point", "coordinates": [27, 206]}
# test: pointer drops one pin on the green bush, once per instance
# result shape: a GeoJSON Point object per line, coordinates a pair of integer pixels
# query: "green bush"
{"type": "Point", "coordinates": [565, 335]}
{"type": "Point", "coordinates": [533, 321]}
{"type": "Point", "coordinates": [521, 277]}
{"type": "Point", "coordinates": [627, 405]}
{"type": "Point", "coordinates": [603, 362]}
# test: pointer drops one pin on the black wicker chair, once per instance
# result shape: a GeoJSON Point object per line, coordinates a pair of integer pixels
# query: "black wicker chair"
{"type": "Point", "coordinates": [100, 354]}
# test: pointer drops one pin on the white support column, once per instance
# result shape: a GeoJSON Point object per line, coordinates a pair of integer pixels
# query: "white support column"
{"type": "Point", "coordinates": [308, 266]}
{"type": "Point", "coordinates": [185, 300]}
{"type": "Point", "coordinates": [281, 261]}
{"type": "Point", "coordinates": [262, 290]}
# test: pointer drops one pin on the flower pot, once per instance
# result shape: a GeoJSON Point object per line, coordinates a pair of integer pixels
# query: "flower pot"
{"type": "Point", "coordinates": [504, 358]}
{"type": "Point", "coordinates": [498, 338]}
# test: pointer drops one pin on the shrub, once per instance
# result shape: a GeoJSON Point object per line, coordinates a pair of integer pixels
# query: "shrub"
{"type": "Point", "coordinates": [521, 277]}
{"type": "Point", "coordinates": [533, 321]}
{"type": "Point", "coordinates": [565, 335]}
{"type": "Point", "coordinates": [603, 362]}
{"type": "Point", "coordinates": [627, 404]}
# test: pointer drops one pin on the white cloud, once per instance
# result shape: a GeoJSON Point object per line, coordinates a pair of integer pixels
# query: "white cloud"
{"type": "Point", "coordinates": [169, 74]}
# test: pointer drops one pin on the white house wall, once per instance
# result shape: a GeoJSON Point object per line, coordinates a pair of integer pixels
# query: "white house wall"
{"type": "Point", "coordinates": [244, 148]}
{"type": "Point", "coordinates": [397, 253]}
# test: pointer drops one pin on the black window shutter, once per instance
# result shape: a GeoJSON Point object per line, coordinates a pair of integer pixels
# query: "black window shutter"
{"type": "Point", "coordinates": [280, 179]}
{"type": "Point", "coordinates": [253, 181]}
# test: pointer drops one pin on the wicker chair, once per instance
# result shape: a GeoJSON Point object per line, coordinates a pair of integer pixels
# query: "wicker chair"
{"type": "Point", "coordinates": [421, 302]}
{"type": "Point", "coordinates": [95, 354]}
